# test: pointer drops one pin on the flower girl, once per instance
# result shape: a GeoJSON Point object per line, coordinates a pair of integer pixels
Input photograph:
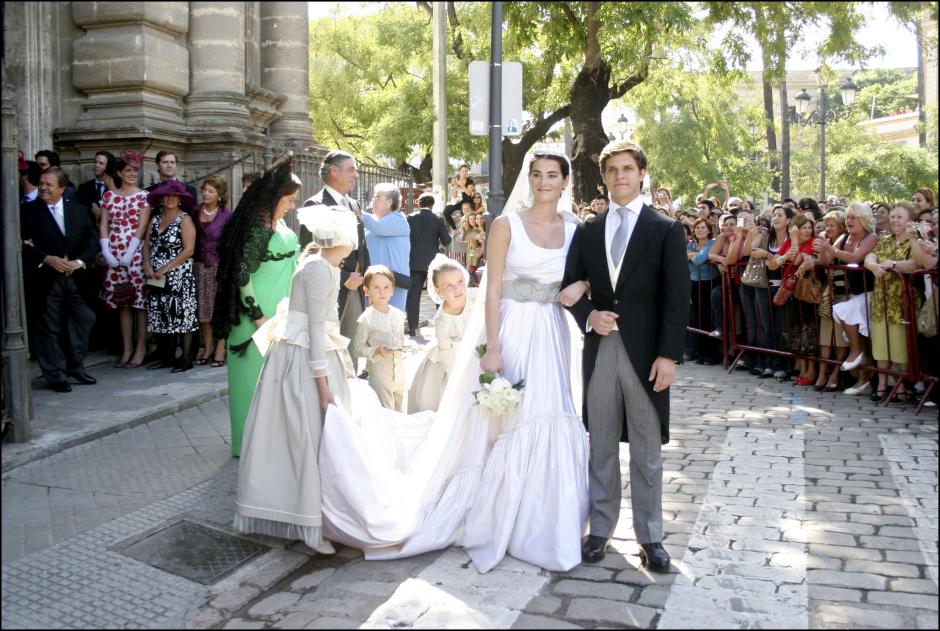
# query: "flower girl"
{"type": "Point", "coordinates": [380, 337]}
{"type": "Point", "coordinates": [448, 285]}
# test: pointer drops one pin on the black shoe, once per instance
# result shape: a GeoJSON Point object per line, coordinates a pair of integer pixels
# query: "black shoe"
{"type": "Point", "coordinates": [708, 361]}
{"type": "Point", "coordinates": [82, 377]}
{"type": "Point", "coordinates": [593, 548]}
{"type": "Point", "coordinates": [653, 556]}
{"type": "Point", "coordinates": [60, 386]}
{"type": "Point", "coordinates": [757, 372]}
{"type": "Point", "coordinates": [183, 365]}
{"type": "Point", "coordinates": [160, 364]}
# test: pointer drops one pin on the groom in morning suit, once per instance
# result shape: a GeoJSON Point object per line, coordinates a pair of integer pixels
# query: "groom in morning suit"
{"type": "Point", "coordinates": [339, 174]}
{"type": "Point", "coordinates": [634, 324]}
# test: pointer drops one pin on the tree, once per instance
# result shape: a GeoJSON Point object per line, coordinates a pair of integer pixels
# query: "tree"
{"type": "Point", "coordinates": [774, 26]}
{"type": "Point", "coordinates": [698, 131]}
{"type": "Point", "coordinates": [884, 92]}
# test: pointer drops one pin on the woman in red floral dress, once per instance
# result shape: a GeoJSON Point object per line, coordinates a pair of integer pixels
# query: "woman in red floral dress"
{"type": "Point", "coordinates": [124, 219]}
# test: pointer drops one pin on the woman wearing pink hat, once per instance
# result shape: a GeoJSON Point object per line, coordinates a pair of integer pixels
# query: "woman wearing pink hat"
{"type": "Point", "coordinates": [125, 215]}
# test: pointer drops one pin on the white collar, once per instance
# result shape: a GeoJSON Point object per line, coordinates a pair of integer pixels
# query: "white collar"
{"type": "Point", "coordinates": [336, 195]}
{"type": "Point", "coordinates": [57, 205]}
{"type": "Point", "coordinates": [635, 205]}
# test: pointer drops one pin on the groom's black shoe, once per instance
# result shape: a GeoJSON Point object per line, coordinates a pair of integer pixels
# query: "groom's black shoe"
{"type": "Point", "coordinates": [593, 548]}
{"type": "Point", "coordinates": [653, 556]}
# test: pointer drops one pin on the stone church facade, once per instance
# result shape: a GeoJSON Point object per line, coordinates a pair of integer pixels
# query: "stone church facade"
{"type": "Point", "coordinates": [224, 85]}
{"type": "Point", "coordinates": [211, 81]}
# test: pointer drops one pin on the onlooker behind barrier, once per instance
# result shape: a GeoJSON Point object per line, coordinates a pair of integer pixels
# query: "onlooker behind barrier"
{"type": "Point", "coordinates": [880, 212]}
{"type": "Point", "coordinates": [810, 208]}
{"type": "Point", "coordinates": [800, 331]}
{"type": "Point", "coordinates": [745, 230]}
{"type": "Point", "coordinates": [853, 313]}
{"type": "Point", "coordinates": [704, 276]}
{"type": "Point", "coordinates": [923, 240]}
{"type": "Point", "coordinates": [888, 339]}
{"type": "Point", "coordinates": [835, 292]}
{"type": "Point", "coordinates": [922, 199]}
{"type": "Point", "coordinates": [771, 316]}
{"type": "Point", "coordinates": [718, 254]}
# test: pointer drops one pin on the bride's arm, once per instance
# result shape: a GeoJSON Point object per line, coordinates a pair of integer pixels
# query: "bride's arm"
{"type": "Point", "coordinates": [496, 261]}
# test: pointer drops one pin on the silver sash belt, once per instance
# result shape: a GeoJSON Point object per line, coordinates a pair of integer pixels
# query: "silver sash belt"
{"type": "Point", "coordinates": [530, 290]}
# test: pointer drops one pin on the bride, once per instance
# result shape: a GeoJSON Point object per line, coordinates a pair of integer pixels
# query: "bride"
{"type": "Point", "coordinates": [397, 485]}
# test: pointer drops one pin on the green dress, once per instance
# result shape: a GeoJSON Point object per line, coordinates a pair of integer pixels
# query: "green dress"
{"type": "Point", "coordinates": [266, 287]}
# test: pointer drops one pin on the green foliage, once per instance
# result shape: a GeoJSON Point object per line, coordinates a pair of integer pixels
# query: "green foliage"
{"type": "Point", "coordinates": [859, 164]}
{"type": "Point", "coordinates": [695, 130]}
{"type": "Point", "coordinates": [890, 89]}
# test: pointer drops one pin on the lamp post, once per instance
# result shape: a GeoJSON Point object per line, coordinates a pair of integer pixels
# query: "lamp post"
{"type": "Point", "coordinates": [821, 116]}
{"type": "Point", "coordinates": [622, 122]}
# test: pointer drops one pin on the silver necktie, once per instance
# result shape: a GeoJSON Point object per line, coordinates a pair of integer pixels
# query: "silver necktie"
{"type": "Point", "coordinates": [619, 244]}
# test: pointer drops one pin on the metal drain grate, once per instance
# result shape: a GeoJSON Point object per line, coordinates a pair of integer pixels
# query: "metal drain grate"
{"type": "Point", "coordinates": [196, 552]}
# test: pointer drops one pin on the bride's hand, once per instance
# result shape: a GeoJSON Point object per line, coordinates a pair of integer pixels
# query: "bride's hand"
{"type": "Point", "coordinates": [326, 398]}
{"type": "Point", "coordinates": [492, 361]}
{"type": "Point", "coordinates": [572, 293]}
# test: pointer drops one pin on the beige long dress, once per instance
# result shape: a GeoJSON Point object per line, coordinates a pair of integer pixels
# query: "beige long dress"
{"type": "Point", "coordinates": [431, 376]}
{"type": "Point", "coordinates": [278, 476]}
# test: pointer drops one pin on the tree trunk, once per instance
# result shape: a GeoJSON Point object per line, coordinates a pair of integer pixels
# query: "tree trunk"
{"type": "Point", "coordinates": [589, 96]}
{"type": "Point", "coordinates": [421, 174]}
{"type": "Point", "coordinates": [784, 142]}
{"type": "Point", "coordinates": [771, 133]}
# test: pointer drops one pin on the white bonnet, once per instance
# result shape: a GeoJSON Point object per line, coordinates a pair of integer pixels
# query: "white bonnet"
{"type": "Point", "coordinates": [331, 226]}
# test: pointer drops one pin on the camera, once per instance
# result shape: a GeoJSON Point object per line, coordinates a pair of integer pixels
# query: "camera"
{"type": "Point", "coordinates": [923, 232]}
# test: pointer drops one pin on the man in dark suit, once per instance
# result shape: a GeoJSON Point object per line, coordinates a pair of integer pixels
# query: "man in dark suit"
{"type": "Point", "coordinates": [428, 235]}
{"type": "Point", "coordinates": [166, 170]}
{"type": "Point", "coordinates": [339, 174]}
{"type": "Point", "coordinates": [90, 193]}
{"type": "Point", "coordinates": [634, 324]}
{"type": "Point", "coordinates": [59, 242]}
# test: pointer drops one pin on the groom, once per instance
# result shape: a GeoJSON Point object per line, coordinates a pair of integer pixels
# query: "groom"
{"type": "Point", "coordinates": [634, 324]}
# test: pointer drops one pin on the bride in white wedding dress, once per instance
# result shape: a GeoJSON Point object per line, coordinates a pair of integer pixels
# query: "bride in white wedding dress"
{"type": "Point", "coordinates": [397, 485]}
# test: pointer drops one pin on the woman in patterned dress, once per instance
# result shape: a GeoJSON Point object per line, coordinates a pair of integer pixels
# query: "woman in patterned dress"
{"type": "Point", "coordinates": [258, 256]}
{"type": "Point", "coordinates": [125, 216]}
{"type": "Point", "coordinates": [168, 258]}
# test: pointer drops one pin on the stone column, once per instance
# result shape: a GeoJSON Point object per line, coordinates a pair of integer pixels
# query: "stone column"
{"type": "Point", "coordinates": [284, 63]}
{"type": "Point", "coordinates": [132, 63]}
{"type": "Point", "coordinates": [17, 395]}
{"type": "Point", "coordinates": [217, 65]}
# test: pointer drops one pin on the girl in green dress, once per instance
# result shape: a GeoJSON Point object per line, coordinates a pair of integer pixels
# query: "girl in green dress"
{"type": "Point", "coordinates": [258, 258]}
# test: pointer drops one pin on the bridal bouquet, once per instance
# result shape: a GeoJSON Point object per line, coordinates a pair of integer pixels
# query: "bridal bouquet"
{"type": "Point", "coordinates": [497, 396]}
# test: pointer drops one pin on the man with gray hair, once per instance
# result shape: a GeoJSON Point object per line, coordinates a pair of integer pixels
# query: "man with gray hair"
{"type": "Point", "coordinates": [339, 174]}
{"type": "Point", "coordinates": [59, 244]}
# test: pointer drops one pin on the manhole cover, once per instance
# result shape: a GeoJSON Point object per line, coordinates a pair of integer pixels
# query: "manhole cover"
{"type": "Point", "coordinates": [193, 551]}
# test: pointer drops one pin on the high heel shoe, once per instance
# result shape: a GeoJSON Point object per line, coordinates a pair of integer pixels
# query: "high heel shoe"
{"type": "Point", "coordinates": [855, 363]}
{"type": "Point", "coordinates": [878, 396]}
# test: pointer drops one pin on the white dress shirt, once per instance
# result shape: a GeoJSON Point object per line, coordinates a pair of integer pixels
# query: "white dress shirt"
{"type": "Point", "coordinates": [612, 224]}
{"type": "Point", "coordinates": [58, 213]}
{"type": "Point", "coordinates": [340, 199]}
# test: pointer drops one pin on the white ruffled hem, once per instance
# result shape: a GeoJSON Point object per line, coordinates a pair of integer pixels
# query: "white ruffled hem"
{"type": "Point", "coordinates": [312, 536]}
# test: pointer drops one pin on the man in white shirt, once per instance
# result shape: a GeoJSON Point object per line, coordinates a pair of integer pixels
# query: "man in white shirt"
{"type": "Point", "coordinates": [634, 323]}
{"type": "Point", "coordinates": [59, 243]}
{"type": "Point", "coordinates": [339, 174]}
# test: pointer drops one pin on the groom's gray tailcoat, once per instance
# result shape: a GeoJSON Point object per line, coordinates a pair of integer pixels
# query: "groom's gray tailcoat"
{"type": "Point", "coordinates": [651, 297]}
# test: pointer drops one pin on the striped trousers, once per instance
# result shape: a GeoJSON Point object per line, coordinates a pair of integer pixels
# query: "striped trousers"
{"type": "Point", "coordinates": [615, 394]}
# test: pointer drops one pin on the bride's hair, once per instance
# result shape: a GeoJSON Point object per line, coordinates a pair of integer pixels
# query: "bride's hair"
{"type": "Point", "coordinates": [551, 155]}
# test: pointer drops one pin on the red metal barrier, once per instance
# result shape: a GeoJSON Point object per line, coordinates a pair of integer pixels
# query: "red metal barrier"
{"type": "Point", "coordinates": [919, 367]}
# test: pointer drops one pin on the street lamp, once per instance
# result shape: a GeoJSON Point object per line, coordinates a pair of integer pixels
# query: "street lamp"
{"type": "Point", "coordinates": [822, 115]}
{"type": "Point", "coordinates": [623, 122]}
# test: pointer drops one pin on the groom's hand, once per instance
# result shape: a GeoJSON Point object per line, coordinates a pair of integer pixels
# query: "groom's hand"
{"type": "Point", "coordinates": [663, 372]}
{"type": "Point", "coordinates": [602, 322]}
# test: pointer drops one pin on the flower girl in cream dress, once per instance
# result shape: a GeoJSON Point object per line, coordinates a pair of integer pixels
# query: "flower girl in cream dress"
{"type": "Point", "coordinates": [448, 285]}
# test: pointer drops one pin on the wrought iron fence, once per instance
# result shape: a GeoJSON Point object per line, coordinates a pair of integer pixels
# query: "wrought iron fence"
{"type": "Point", "coordinates": [307, 168]}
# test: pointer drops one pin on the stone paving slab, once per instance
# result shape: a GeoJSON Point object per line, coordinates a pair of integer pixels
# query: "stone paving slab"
{"type": "Point", "coordinates": [776, 500]}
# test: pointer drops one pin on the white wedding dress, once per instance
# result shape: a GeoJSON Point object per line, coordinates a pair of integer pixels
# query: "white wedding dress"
{"type": "Point", "coordinates": [398, 485]}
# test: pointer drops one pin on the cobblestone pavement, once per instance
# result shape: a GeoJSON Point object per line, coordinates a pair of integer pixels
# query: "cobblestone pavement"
{"type": "Point", "coordinates": [783, 508]}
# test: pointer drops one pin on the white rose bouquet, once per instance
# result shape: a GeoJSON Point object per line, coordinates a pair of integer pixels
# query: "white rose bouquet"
{"type": "Point", "coordinates": [497, 396]}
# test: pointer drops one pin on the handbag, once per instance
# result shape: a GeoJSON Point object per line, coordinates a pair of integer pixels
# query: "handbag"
{"type": "Point", "coordinates": [786, 290]}
{"type": "Point", "coordinates": [755, 274]}
{"type": "Point", "coordinates": [123, 294]}
{"type": "Point", "coordinates": [809, 289]}
{"type": "Point", "coordinates": [825, 304]}
{"type": "Point", "coordinates": [927, 319]}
